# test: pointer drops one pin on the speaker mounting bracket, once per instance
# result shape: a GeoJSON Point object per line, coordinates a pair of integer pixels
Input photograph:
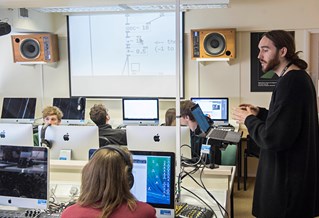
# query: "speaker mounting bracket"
{"type": "Point", "coordinates": [204, 61]}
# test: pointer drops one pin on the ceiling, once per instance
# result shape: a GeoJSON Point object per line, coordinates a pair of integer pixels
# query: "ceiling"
{"type": "Point", "coordinates": [110, 5]}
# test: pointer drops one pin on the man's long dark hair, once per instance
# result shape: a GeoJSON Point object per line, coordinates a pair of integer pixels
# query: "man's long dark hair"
{"type": "Point", "coordinates": [282, 38]}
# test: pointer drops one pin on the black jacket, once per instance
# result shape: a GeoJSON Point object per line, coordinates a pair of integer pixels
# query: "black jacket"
{"type": "Point", "coordinates": [115, 136]}
{"type": "Point", "coordinates": [287, 181]}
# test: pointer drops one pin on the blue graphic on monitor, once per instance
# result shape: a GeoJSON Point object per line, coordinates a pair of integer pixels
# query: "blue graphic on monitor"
{"type": "Point", "coordinates": [158, 180]}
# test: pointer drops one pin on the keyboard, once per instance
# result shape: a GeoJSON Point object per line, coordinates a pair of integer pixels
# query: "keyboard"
{"type": "Point", "coordinates": [26, 213]}
{"type": "Point", "coordinates": [226, 128]}
{"type": "Point", "coordinates": [224, 135]}
{"type": "Point", "coordinates": [191, 211]}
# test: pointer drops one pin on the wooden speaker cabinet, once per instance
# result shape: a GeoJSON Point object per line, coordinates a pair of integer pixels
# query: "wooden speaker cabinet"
{"type": "Point", "coordinates": [213, 43]}
{"type": "Point", "coordinates": [35, 48]}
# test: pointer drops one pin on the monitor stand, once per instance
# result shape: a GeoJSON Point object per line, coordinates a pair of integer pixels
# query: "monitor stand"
{"type": "Point", "coordinates": [214, 156]}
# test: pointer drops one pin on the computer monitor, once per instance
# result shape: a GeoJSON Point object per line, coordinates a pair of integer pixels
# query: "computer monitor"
{"type": "Point", "coordinates": [155, 138]}
{"type": "Point", "coordinates": [156, 180]}
{"type": "Point", "coordinates": [215, 108]}
{"type": "Point", "coordinates": [76, 139]}
{"type": "Point", "coordinates": [24, 178]}
{"type": "Point", "coordinates": [140, 111]}
{"type": "Point", "coordinates": [73, 109]}
{"type": "Point", "coordinates": [18, 110]}
{"type": "Point", "coordinates": [16, 134]}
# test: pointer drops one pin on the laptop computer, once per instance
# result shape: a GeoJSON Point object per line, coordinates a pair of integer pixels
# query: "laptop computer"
{"type": "Point", "coordinates": [155, 138]}
{"type": "Point", "coordinates": [210, 131]}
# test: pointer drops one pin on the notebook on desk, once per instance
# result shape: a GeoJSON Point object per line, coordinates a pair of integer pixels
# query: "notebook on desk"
{"type": "Point", "coordinates": [212, 132]}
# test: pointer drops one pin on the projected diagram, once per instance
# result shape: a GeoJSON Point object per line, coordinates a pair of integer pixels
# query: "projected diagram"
{"type": "Point", "coordinates": [147, 46]}
{"type": "Point", "coordinates": [123, 44]}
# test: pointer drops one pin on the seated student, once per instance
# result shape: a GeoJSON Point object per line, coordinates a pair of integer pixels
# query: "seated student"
{"type": "Point", "coordinates": [51, 115]}
{"type": "Point", "coordinates": [170, 117]}
{"type": "Point", "coordinates": [105, 188]}
{"type": "Point", "coordinates": [99, 115]}
{"type": "Point", "coordinates": [197, 136]}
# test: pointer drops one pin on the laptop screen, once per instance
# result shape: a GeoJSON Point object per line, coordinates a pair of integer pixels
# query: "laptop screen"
{"type": "Point", "coordinates": [156, 179]}
{"type": "Point", "coordinates": [200, 118]}
{"type": "Point", "coordinates": [215, 108]}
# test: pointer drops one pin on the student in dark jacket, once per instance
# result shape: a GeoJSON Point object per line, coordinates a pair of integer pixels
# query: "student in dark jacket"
{"type": "Point", "coordinates": [287, 181]}
{"type": "Point", "coordinates": [99, 115]}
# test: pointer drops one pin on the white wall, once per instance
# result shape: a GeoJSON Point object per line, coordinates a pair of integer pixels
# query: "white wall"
{"type": "Point", "coordinates": [230, 79]}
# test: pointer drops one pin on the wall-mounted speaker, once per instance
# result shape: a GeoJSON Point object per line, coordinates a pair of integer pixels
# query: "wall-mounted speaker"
{"type": "Point", "coordinates": [35, 48]}
{"type": "Point", "coordinates": [213, 43]}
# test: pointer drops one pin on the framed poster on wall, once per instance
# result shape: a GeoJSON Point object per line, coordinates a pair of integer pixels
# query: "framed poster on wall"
{"type": "Point", "coordinates": [260, 81]}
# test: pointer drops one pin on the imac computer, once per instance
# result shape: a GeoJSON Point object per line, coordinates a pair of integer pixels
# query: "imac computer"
{"type": "Point", "coordinates": [18, 110]}
{"type": "Point", "coordinates": [215, 108]}
{"type": "Point", "coordinates": [69, 142]}
{"type": "Point", "coordinates": [73, 109]}
{"type": "Point", "coordinates": [24, 178]}
{"type": "Point", "coordinates": [156, 180]}
{"type": "Point", "coordinates": [155, 138]}
{"type": "Point", "coordinates": [16, 134]}
{"type": "Point", "coordinates": [140, 111]}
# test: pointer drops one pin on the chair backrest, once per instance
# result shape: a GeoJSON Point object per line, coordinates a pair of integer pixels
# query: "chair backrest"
{"type": "Point", "coordinates": [103, 141]}
{"type": "Point", "coordinates": [229, 155]}
{"type": "Point", "coordinates": [252, 147]}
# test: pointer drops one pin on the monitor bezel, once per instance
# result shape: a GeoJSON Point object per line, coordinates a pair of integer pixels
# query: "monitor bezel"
{"type": "Point", "coordinates": [172, 175]}
{"type": "Point", "coordinates": [140, 120]}
{"type": "Point", "coordinates": [225, 120]}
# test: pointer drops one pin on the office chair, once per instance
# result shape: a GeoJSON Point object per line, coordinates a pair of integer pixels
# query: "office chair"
{"type": "Point", "coordinates": [252, 150]}
{"type": "Point", "coordinates": [229, 158]}
{"type": "Point", "coordinates": [103, 141]}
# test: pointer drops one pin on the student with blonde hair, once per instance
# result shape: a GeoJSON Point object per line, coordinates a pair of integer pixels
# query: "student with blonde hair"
{"type": "Point", "coordinates": [105, 188]}
{"type": "Point", "coordinates": [51, 115]}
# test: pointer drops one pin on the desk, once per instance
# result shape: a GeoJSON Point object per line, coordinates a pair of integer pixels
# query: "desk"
{"type": "Point", "coordinates": [219, 181]}
{"type": "Point", "coordinates": [220, 195]}
{"type": "Point", "coordinates": [66, 170]}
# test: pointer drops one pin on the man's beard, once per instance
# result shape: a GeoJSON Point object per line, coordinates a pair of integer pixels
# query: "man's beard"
{"type": "Point", "coordinates": [272, 64]}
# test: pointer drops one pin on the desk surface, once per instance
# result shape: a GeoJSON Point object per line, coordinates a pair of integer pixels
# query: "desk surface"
{"type": "Point", "coordinates": [220, 196]}
{"type": "Point", "coordinates": [219, 182]}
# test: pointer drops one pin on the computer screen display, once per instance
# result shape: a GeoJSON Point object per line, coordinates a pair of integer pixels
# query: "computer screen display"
{"type": "Point", "coordinates": [24, 176]}
{"type": "Point", "coordinates": [18, 110]}
{"type": "Point", "coordinates": [215, 108]}
{"type": "Point", "coordinates": [77, 139]}
{"type": "Point", "coordinates": [156, 180]}
{"type": "Point", "coordinates": [73, 109]}
{"type": "Point", "coordinates": [16, 134]}
{"type": "Point", "coordinates": [140, 111]}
